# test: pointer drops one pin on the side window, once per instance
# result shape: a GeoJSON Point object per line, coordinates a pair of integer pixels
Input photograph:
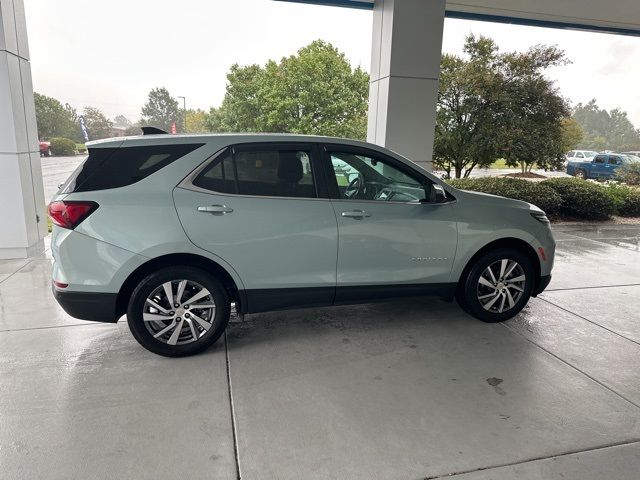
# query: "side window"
{"type": "Point", "coordinates": [218, 176]}
{"type": "Point", "coordinates": [579, 155]}
{"type": "Point", "coordinates": [362, 177]}
{"type": "Point", "coordinates": [107, 168]}
{"type": "Point", "coordinates": [600, 159]}
{"type": "Point", "coordinates": [613, 160]}
{"type": "Point", "coordinates": [261, 172]}
{"type": "Point", "coordinates": [570, 154]}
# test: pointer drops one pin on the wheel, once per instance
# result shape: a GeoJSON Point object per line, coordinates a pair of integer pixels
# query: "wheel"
{"type": "Point", "coordinates": [497, 286]}
{"type": "Point", "coordinates": [49, 152]}
{"type": "Point", "coordinates": [581, 174]}
{"type": "Point", "coordinates": [178, 311]}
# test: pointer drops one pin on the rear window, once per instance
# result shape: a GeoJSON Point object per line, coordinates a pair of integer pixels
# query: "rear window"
{"type": "Point", "coordinates": [107, 168]}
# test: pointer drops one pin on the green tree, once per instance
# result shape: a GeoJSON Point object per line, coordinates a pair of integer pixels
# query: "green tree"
{"type": "Point", "coordinates": [315, 91]}
{"type": "Point", "coordinates": [196, 121]}
{"type": "Point", "coordinates": [97, 124]}
{"type": "Point", "coordinates": [572, 134]}
{"type": "Point", "coordinates": [606, 130]}
{"type": "Point", "coordinates": [161, 110]}
{"type": "Point", "coordinates": [121, 121]}
{"type": "Point", "coordinates": [493, 104]}
{"type": "Point", "coordinates": [55, 119]}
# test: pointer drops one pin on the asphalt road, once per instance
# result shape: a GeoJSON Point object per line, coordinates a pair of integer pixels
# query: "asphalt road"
{"type": "Point", "coordinates": [56, 170]}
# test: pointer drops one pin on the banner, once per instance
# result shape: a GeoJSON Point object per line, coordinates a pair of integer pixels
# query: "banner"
{"type": "Point", "coordinates": [83, 128]}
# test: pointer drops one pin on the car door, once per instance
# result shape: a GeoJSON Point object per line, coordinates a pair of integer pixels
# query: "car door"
{"type": "Point", "coordinates": [614, 162]}
{"type": "Point", "coordinates": [258, 208]}
{"type": "Point", "coordinates": [599, 166]}
{"type": "Point", "coordinates": [387, 237]}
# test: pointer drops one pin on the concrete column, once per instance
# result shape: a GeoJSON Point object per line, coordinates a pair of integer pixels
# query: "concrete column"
{"type": "Point", "coordinates": [23, 221]}
{"type": "Point", "coordinates": [405, 66]}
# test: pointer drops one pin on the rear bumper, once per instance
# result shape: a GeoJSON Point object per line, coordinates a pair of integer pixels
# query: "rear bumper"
{"type": "Point", "coordinates": [541, 285]}
{"type": "Point", "coordinates": [97, 307]}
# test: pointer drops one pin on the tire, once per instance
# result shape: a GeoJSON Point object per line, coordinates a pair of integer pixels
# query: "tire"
{"type": "Point", "coordinates": [478, 297]}
{"type": "Point", "coordinates": [581, 174]}
{"type": "Point", "coordinates": [49, 152]}
{"type": "Point", "coordinates": [150, 315]}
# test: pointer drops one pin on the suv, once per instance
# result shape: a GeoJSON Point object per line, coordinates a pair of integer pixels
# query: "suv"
{"type": "Point", "coordinates": [173, 230]}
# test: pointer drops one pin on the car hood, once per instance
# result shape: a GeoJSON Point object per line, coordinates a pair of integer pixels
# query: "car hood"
{"type": "Point", "coordinates": [489, 200]}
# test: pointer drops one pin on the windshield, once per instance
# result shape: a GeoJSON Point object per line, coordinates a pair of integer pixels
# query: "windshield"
{"type": "Point", "coordinates": [590, 154]}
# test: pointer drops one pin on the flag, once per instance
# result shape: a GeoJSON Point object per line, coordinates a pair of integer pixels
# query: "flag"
{"type": "Point", "coordinates": [174, 130]}
{"type": "Point", "coordinates": [83, 128]}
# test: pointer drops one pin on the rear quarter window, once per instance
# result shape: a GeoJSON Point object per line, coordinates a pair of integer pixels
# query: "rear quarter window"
{"type": "Point", "coordinates": [107, 168]}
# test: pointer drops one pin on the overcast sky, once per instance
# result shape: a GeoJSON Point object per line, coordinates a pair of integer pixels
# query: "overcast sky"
{"type": "Point", "coordinates": [110, 54]}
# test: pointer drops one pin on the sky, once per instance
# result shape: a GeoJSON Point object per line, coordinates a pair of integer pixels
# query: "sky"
{"type": "Point", "coordinates": [109, 54]}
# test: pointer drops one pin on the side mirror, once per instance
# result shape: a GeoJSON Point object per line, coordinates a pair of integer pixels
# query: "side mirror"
{"type": "Point", "coordinates": [435, 194]}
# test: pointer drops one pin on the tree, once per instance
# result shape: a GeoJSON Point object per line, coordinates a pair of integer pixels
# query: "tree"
{"type": "Point", "coordinates": [572, 134]}
{"type": "Point", "coordinates": [315, 91]}
{"type": "Point", "coordinates": [97, 124]}
{"type": "Point", "coordinates": [606, 130]}
{"type": "Point", "coordinates": [493, 104]}
{"type": "Point", "coordinates": [161, 110]}
{"type": "Point", "coordinates": [196, 121]}
{"type": "Point", "coordinates": [54, 119]}
{"type": "Point", "coordinates": [121, 121]}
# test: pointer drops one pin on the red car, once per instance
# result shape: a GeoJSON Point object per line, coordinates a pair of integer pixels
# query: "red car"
{"type": "Point", "coordinates": [45, 149]}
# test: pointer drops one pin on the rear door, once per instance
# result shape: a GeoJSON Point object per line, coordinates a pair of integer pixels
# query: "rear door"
{"type": "Point", "coordinates": [614, 162]}
{"type": "Point", "coordinates": [387, 237]}
{"type": "Point", "coordinates": [260, 209]}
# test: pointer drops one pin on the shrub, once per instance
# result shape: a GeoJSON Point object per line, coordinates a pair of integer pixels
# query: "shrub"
{"type": "Point", "coordinates": [629, 174]}
{"type": "Point", "coordinates": [582, 199]}
{"type": "Point", "coordinates": [81, 148]}
{"type": "Point", "coordinates": [538, 193]}
{"type": "Point", "coordinates": [625, 199]}
{"type": "Point", "coordinates": [63, 146]}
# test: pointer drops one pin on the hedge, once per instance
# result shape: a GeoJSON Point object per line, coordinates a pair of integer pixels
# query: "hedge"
{"type": "Point", "coordinates": [63, 146]}
{"type": "Point", "coordinates": [537, 193]}
{"type": "Point", "coordinates": [563, 197]}
{"type": "Point", "coordinates": [629, 174]}
{"type": "Point", "coordinates": [582, 199]}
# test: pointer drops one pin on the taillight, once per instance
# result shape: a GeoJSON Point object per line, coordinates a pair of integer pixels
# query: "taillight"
{"type": "Point", "coordinates": [70, 214]}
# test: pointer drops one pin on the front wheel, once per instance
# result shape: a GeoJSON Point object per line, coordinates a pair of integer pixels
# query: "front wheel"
{"type": "Point", "coordinates": [581, 174]}
{"type": "Point", "coordinates": [178, 311]}
{"type": "Point", "coordinates": [497, 286]}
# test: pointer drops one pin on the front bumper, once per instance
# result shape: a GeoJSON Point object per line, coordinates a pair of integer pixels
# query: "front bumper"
{"type": "Point", "coordinates": [97, 307]}
{"type": "Point", "coordinates": [541, 285]}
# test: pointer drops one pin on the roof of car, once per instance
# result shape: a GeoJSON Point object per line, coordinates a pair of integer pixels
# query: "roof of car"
{"type": "Point", "coordinates": [231, 137]}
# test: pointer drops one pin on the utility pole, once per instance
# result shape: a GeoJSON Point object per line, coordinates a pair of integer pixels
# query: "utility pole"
{"type": "Point", "coordinates": [184, 116]}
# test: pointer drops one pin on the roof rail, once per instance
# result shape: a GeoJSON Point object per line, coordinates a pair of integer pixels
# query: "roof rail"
{"type": "Point", "coordinates": [152, 131]}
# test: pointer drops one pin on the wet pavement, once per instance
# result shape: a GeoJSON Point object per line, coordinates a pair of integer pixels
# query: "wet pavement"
{"type": "Point", "coordinates": [409, 389]}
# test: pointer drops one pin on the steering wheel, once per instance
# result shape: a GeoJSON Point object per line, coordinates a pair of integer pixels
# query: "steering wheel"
{"type": "Point", "coordinates": [355, 187]}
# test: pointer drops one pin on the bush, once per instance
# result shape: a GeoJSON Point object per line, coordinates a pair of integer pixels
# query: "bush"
{"type": "Point", "coordinates": [81, 148]}
{"type": "Point", "coordinates": [538, 193]}
{"type": "Point", "coordinates": [625, 199]}
{"type": "Point", "coordinates": [63, 146]}
{"type": "Point", "coordinates": [582, 199]}
{"type": "Point", "coordinates": [629, 174]}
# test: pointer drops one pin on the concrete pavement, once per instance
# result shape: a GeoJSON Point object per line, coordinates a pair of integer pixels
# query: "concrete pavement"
{"type": "Point", "coordinates": [410, 389]}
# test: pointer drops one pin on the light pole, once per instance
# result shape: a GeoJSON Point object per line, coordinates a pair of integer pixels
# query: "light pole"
{"type": "Point", "coordinates": [184, 116]}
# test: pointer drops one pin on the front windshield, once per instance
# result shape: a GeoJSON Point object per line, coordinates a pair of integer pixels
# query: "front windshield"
{"type": "Point", "coordinates": [590, 154]}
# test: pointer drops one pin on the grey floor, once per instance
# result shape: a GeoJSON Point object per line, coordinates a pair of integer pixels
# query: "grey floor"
{"type": "Point", "coordinates": [404, 390]}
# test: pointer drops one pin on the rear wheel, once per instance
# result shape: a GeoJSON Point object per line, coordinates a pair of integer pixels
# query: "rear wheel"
{"type": "Point", "coordinates": [178, 311]}
{"type": "Point", "coordinates": [497, 286]}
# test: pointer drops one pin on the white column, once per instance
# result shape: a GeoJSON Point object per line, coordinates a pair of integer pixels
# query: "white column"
{"type": "Point", "coordinates": [23, 222]}
{"type": "Point", "coordinates": [405, 66]}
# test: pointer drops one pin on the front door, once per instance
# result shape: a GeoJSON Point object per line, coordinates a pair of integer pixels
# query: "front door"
{"type": "Point", "coordinates": [258, 209]}
{"type": "Point", "coordinates": [389, 236]}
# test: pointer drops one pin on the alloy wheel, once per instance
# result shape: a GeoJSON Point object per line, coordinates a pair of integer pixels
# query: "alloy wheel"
{"type": "Point", "coordinates": [179, 312]}
{"type": "Point", "coordinates": [501, 285]}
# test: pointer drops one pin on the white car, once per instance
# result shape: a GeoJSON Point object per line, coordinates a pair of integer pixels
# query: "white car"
{"type": "Point", "coordinates": [172, 230]}
{"type": "Point", "coordinates": [580, 155]}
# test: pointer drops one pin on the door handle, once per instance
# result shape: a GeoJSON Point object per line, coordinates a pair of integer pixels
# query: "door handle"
{"type": "Point", "coordinates": [215, 209]}
{"type": "Point", "coordinates": [357, 214]}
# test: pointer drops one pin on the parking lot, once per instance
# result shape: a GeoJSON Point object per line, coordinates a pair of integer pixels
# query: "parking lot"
{"type": "Point", "coordinates": [409, 389]}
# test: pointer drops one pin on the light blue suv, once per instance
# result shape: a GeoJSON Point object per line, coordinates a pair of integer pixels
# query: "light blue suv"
{"type": "Point", "coordinates": [173, 230]}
